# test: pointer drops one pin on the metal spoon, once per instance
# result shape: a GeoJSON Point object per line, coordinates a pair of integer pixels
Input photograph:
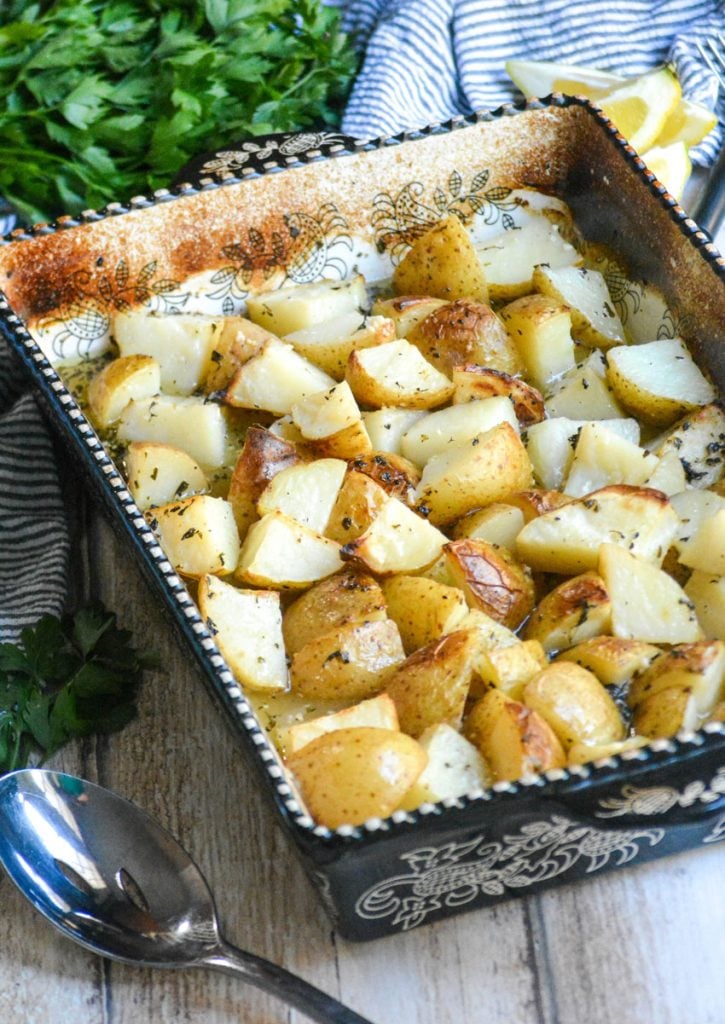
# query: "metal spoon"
{"type": "Point", "coordinates": [109, 877]}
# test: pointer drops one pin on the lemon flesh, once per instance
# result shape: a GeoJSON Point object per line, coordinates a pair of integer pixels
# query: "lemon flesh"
{"type": "Point", "coordinates": [689, 123]}
{"type": "Point", "coordinates": [538, 78]}
{"type": "Point", "coordinates": [640, 108]}
{"type": "Point", "coordinates": [672, 166]}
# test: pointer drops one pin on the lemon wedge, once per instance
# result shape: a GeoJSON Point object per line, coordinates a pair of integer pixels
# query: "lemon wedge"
{"type": "Point", "coordinates": [689, 123]}
{"type": "Point", "coordinates": [640, 108]}
{"type": "Point", "coordinates": [671, 164]}
{"type": "Point", "coordinates": [539, 78]}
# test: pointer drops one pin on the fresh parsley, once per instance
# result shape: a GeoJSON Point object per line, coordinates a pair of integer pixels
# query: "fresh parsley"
{"type": "Point", "coordinates": [66, 678]}
{"type": "Point", "coordinates": [101, 100]}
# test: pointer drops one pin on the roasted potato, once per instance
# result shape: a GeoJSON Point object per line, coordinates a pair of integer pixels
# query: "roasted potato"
{"type": "Point", "coordinates": [666, 713]}
{"type": "Point", "coordinates": [510, 258]}
{"type": "Point", "coordinates": [395, 474]}
{"type": "Point", "coordinates": [463, 332]}
{"type": "Point", "coordinates": [346, 597]}
{"type": "Point", "coordinates": [291, 309]}
{"type": "Point", "coordinates": [657, 381]}
{"type": "Point", "coordinates": [541, 330]}
{"type": "Point", "coordinates": [181, 344]}
{"type": "Point", "coordinates": [576, 610]}
{"type": "Point", "coordinates": [568, 539]}
{"type": "Point", "coordinates": [328, 344]}
{"type": "Point", "coordinates": [508, 668]}
{"type": "Point", "coordinates": [486, 469]}
{"type": "Point", "coordinates": [350, 775]}
{"type": "Point", "coordinates": [159, 473]}
{"type": "Point", "coordinates": [262, 457]}
{"type": "Point", "coordinates": [499, 524]}
{"type": "Point", "coordinates": [198, 535]}
{"type": "Point", "coordinates": [614, 660]}
{"type": "Point", "coordinates": [668, 475]}
{"type": "Point", "coordinates": [705, 551]}
{"type": "Point", "coordinates": [376, 713]}
{"type": "Point", "coordinates": [124, 379]}
{"type": "Point", "coordinates": [331, 424]}
{"type": "Point", "coordinates": [406, 310]}
{"type": "Point", "coordinates": [698, 440]}
{"type": "Point", "coordinates": [432, 684]}
{"type": "Point", "coordinates": [492, 635]}
{"type": "Point", "coordinates": [707, 593]}
{"type": "Point", "coordinates": [275, 379]}
{"type": "Point", "coordinates": [195, 426]}
{"type": "Point", "coordinates": [536, 501]}
{"type": "Point", "coordinates": [352, 662]}
{"type": "Point", "coordinates": [693, 507]}
{"type": "Point", "coordinates": [550, 445]}
{"type": "Point", "coordinates": [454, 768]}
{"type": "Point", "coordinates": [575, 704]}
{"type": "Point", "coordinates": [306, 492]}
{"type": "Point", "coordinates": [582, 753]}
{"type": "Point", "coordinates": [423, 609]}
{"type": "Point", "coordinates": [602, 457]}
{"type": "Point", "coordinates": [386, 427]}
{"type": "Point", "coordinates": [474, 382]}
{"type": "Point", "coordinates": [698, 668]}
{"type": "Point", "coordinates": [442, 263]}
{"type": "Point", "coordinates": [445, 429]}
{"type": "Point", "coordinates": [236, 343]}
{"type": "Point", "coordinates": [396, 374]}
{"type": "Point", "coordinates": [358, 502]}
{"type": "Point", "coordinates": [247, 627]}
{"type": "Point", "coordinates": [397, 540]}
{"type": "Point", "coordinates": [584, 393]}
{"type": "Point", "coordinates": [513, 739]}
{"type": "Point", "coordinates": [491, 579]}
{"type": "Point", "coordinates": [593, 316]}
{"type": "Point", "coordinates": [280, 553]}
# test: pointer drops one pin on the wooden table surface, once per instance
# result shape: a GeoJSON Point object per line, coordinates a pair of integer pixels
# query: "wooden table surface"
{"type": "Point", "coordinates": [637, 946]}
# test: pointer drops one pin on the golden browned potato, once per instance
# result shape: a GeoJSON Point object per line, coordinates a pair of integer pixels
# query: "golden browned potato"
{"type": "Point", "coordinates": [350, 663]}
{"type": "Point", "coordinates": [198, 535]}
{"type": "Point", "coordinates": [508, 668]}
{"type": "Point", "coordinates": [114, 386]}
{"type": "Point", "coordinates": [394, 473]}
{"type": "Point", "coordinates": [247, 627]}
{"type": "Point", "coordinates": [346, 597]}
{"type": "Point", "coordinates": [513, 739]}
{"type": "Point", "coordinates": [237, 340]}
{"type": "Point", "coordinates": [359, 501]}
{"type": "Point", "coordinates": [464, 332]}
{"type": "Point", "coordinates": [454, 768]}
{"type": "Point", "coordinates": [377, 713]}
{"type": "Point", "coordinates": [328, 344]}
{"type": "Point", "coordinates": [491, 579]}
{"type": "Point", "coordinates": [568, 539]}
{"type": "Point", "coordinates": [350, 775]}
{"type": "Point", "coordinates": [432, 685]}
{"type": "Point", "coordinates": [575, 704]}
{"type": "Point", "coordinates": [282, 554]}
{"type": "Point", "coordinates": [442, 263]}
{"type": "Point", "coordinates": [574, 611]}
{"type": "Point", "coordinates": [581, 753]}
{"type": "Point", "coordinates": [397, 540]}
{"type": "Point", "coordinates": [612, 659]}
{"type": "Point", "coordinates": [707, 593]}
{"type": "Point", "coordinates": [487, 469]}
{"type": "Point", "coordinates": [474, 382]}
{"type": "Point", "coordinates": [541, 331]}
{"type": "Point", "coordinates": [406, 310]}
{"type": "Point", "coordinates": [396, 374]}
{"type": "Point", "coordinates": [262, 457]}
{"type": "Point", "coordinates": [666, 713]}
{"type": "Point", "coordinates": [159, 473]}
{"type": "Point", "coordinates": [698, 668]}
{"type": "Point", "coordinates": [331, 424]}
{"type": "Point", "coordinates": [423, 609]}
{"type": "Point", "coordinates": [536, 501]}
{"type": "Point", "coordinates": [275, 379]}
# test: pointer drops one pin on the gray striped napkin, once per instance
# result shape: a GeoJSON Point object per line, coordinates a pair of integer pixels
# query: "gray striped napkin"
{"type": "Point", "coordinates": [425, 60]}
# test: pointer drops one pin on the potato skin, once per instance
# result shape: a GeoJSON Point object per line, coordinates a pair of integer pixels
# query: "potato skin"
{"type": "Point", "coordinates": [513, 739]}
{"type": "Point", "coordinates": [464, 332]}
{"type": "Point", "coordinates": [576, 610]}
{"type": "Point", "coordinates": [350, 775]}
{"type": "Point", "coordinates": [350, 663]}
{"type": "Point", "coordinates": [262, 457]}
{"type": "Point", "coordinates": [348, 596]}
{"type": "Point", "coordinates": [475, 382]}
{"type": "Point", "coordinates": [406, 310]}
{"type": "Point", "coordinates": [359, 501]}
{"type": "Point", "coordinates": [431, 685]}
{"type": "Point", "coordinates": [575, 704]}
{"type": "Point", "coordinates": [612, 659]}
{"type": "Point", "coordinates": [442, 263]}
{"type": "Point", "coordinates": [395, 474]}
{"type": "Point", "coordinates": [423, 609]}
{"type": "Point", "coordinates": [665, 713]}
{"type": "Point", "coordinates": [536, 501]}
{"type": "Point", "coordinates": [491, 579]}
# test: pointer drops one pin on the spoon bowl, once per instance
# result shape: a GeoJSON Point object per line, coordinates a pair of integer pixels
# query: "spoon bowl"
{"type": "Point", "coordinates": [109, 877]}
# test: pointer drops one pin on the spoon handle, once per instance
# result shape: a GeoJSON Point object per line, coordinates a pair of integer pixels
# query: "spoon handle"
{"type": "Point", "coordinates": [269, 977]}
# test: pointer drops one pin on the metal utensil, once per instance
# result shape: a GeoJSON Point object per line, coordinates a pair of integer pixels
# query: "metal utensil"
{"type": "Point", "coordinates": [109, 877]}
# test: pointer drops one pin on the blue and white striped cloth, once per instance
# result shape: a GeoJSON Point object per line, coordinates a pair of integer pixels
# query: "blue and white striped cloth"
{"type": "Point", "coordinates": [424, 61]}
{"type": "Point", "coordinates": [427, 60]}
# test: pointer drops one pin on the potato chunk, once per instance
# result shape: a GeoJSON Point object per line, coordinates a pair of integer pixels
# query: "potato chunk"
{"type": "Point", "coordinates": [479, 382]}
{"type": "Point", "coordinates": [247, 627]}
{"type": "Point", "coordinates": [394, 473]}
{"type": "Point", "coordinates": [593, 316]}
{"type": "Point", "coordinates": [195, 426]}
{"type": "Point", "coordinates": [484, 470]}
{"type": "Point", "coordinates": [568, 539]}
{"type": "Point", "coordinates": [238, 340]}
{"type": "Point", "coordinates": [181, 344]}
{"type": "Point", "coordinates": [584, 393]}
{"type": "Point", "coordinates": [118, 383]}
{"type": "Point", "coordinates": [698, 440]}
{"type": "Point", "coordinates": [358, 502]}
{"type": "Point", "coordinates": [306, 492]}
{"type": "Point", "coordinates": [541, 331]}
{"type": "Point", "coordinates": [350, 775]}
{"type": "Point", "coordinates": [159, 473]}
{"type": "Point", "coordinates": [396, 374]}
{"type": "Point", "coordinates": [657, 381]}
{"type": "Point", "coordinates": [331, 424]}
{"type": "Point", "coordinates": [698, 668]}
{"type": "Point", "coordinates": [386, 427]}
{"type": "Point", "coordinates": [292, 309]}
{"type": "Point", "coordinates": [346, 597]}
{"type": "Point", "coordinates": [509, 259]}
{"type": "Point", "coordinates": [352, 662]}
{"type": "Point", "coordinates": [550, 445]}
{"type": "Point", "coordinates": [612, 659]}
{"type": "Point", "coordinates": [666, 713]}
{"type": "Point", "coordinates": [603, 457]}
{"type": "Point", "coordinates": [275, 380]}
{"type": "Point", "coordinates": [377, 713]}
{"type": "Point", "coordinates": [198, 534]}
{"type": "Point", "coordinates": [574, 611]}
{"type": "Point", "coordinates": [406, 311]}
{"type": "Point", "coordinates": [445, 429]}
{"type": "Point", "coordinates": [513, 739]}
{"type": "Point", "coordinates": [647, 604]}
{"type": "Point", "coordinates": [491, 579]}
{"type": "Point", "coordinates": [575, 704]}
{"type": "Point", "coordinates": [509, 668]}
{"type": "Point", "coordinates": [262, 457]}
{"type": "Point", "coordinates": [499, 524]}
{"type": "Point", "coordinates": [397, 540]}
{"type": "Point", "coordinates": [706, 550]}
{"type": "Point", "coordinates": [442, 263]}
{"type": "Point", "coordinates": [281, 553]}
{"type": "Point", "coordinates": [328, 345]}
{"type": "Point", "coordinates": [707, 593]}
{"type": "Point", "coordinates": [454, 768]}
{"type": "Point", "coordinates": [423, 609]}
{"type": "Point", "coordinates": [463, 332]}
{"type": "Point", "coordinates": [431, 686]}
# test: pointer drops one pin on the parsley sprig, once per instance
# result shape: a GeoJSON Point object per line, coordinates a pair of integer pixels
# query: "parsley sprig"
{"type": "Point", "coordinates": [66, 678]}
{"type": "Point", "coordinates": [103, 99]}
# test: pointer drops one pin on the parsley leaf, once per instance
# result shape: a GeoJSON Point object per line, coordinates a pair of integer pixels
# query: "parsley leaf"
{"type": "Point", "coordinates": [66, 678]}
{"type": "Point", "coordinates": [101, 100]}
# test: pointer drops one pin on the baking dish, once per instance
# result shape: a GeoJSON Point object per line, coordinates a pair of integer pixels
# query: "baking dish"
{"type": "Point", "coordinates": [291, 209]}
